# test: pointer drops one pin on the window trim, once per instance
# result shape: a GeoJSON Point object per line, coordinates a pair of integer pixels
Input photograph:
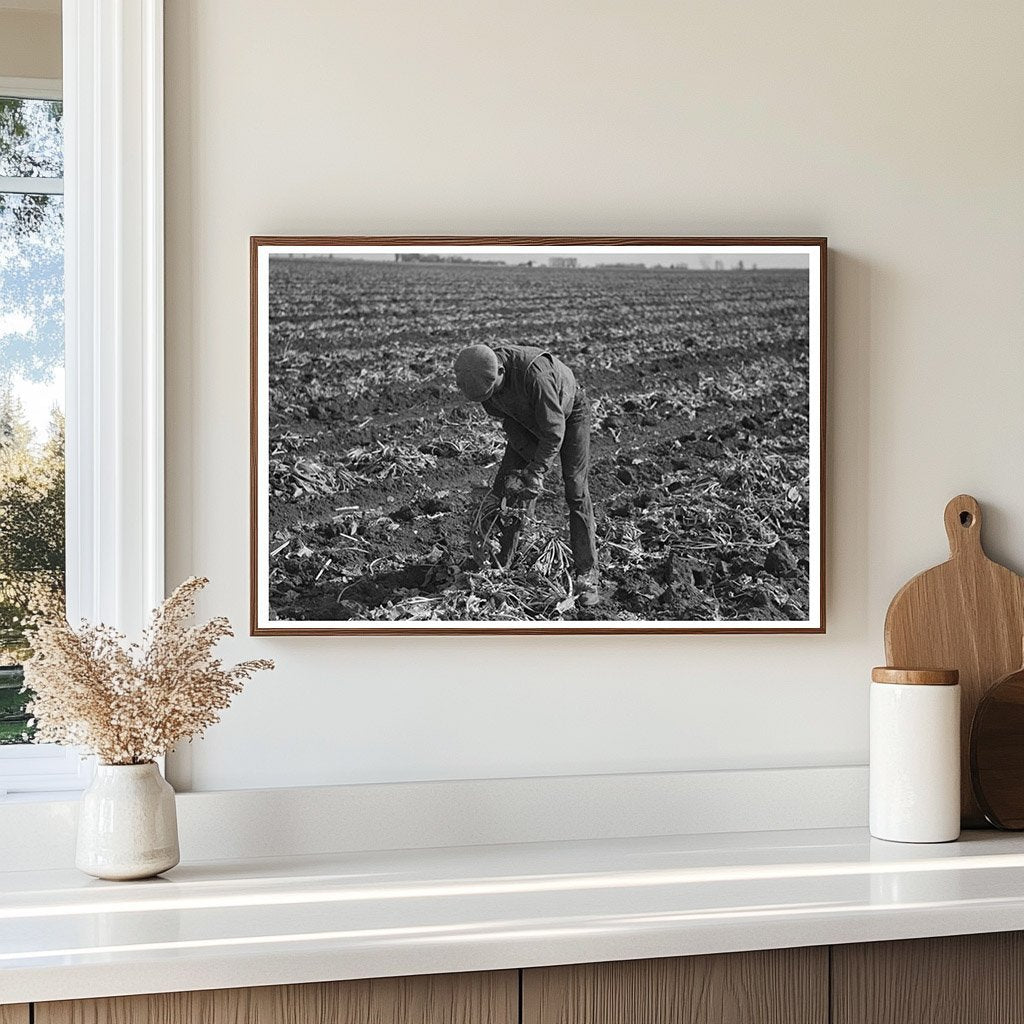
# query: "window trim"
{"type": "Point", "coordinates": [32, 88]}
{"type": "Point", "coordinates": [31, 186]}
{"type": "Point", "coordinates": [43, 768]}
{"type": "Point", "coordinates": [114, 348]}
{"type": "Point", "coordinates": [113, 170]}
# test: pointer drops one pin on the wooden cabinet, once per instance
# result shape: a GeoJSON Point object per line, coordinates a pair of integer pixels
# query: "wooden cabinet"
{"type": "Point", "coordinates": [967, 979]}
{"type": "Point", "coordinates": [962, 979]}
{"type": "Point", "coordinates": [777, 986]}
{"type": "Point", "coordinates": [491, 998]}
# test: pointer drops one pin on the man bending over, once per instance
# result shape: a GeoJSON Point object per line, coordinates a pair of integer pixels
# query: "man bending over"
{"type": "Point", "coordinates": [544, 413]}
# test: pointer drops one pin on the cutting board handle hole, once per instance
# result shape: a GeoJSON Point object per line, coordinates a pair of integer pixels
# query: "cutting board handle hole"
{"type": "Point", "coordinates": [962, 518]}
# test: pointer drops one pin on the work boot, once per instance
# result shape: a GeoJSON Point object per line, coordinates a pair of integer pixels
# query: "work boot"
{"type": "Point", "coordinates": [588, 588]}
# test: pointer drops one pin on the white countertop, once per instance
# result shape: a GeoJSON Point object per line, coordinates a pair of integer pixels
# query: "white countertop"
{"type": "Point", "coordinates": [227, 924]}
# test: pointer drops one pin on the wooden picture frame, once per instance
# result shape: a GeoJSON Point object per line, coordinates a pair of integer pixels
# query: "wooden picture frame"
{"type": "Point", "coordinates": [652, 344]}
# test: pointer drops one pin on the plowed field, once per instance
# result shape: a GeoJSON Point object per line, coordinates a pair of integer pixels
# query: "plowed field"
{"type": "Point", "coordinates": [699, 384]}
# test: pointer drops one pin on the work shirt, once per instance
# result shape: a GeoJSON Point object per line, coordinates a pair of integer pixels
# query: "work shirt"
{"type": "Point", "coordinates": [536, 394]}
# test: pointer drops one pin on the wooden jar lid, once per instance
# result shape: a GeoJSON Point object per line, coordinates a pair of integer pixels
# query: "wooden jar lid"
{"type": "Point", "coordinates": [916, 676]}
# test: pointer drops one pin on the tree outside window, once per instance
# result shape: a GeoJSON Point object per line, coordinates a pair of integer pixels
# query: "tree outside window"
{"type": "Point", "coordinates": [32, 533]}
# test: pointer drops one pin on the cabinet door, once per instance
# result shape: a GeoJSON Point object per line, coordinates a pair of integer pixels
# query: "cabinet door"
{"type": "Point", "coordinates": [962, 979]}
{"type": "Point", "coordinates": [778, 986]}
{"type": "Point", "coordinates": [14, 1014]}
{"type": "Point", "coordinates": [490, 998]}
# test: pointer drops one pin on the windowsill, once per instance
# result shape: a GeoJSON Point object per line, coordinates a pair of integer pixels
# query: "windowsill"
{"type": "Point", "coordinates": [33, 772]}
{"type": "Point", "coordinates": [40, 798]}
{"type": "Point", "coordinates": [37, 830]}
{"type": "Point", "coordinates": [388, 913]}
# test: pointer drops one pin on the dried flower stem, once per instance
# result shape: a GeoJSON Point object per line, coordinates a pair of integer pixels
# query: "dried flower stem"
{"type": "Point", "coordinates": [129, 703]}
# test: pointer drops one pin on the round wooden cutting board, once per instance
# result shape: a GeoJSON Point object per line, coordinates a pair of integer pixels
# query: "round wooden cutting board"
{"type": "Point", "coordinates": [997, 752]}
{"type": "Point", "coordinates": [967, 613]}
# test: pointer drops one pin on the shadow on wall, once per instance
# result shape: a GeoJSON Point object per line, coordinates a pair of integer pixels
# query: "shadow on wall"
{"type": "Point", "coordinates": [853, 287]}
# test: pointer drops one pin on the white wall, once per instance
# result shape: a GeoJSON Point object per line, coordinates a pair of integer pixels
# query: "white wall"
{"type": "Point", "coordinates": [895, 129]}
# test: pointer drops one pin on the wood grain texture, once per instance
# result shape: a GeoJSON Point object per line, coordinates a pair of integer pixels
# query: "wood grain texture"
{"type": "Point", "coordinates": [14, 1014]}
{"type": "Point", "coordinates": [997, 752]}
{"type": "Point", "coordinates": [915, 676]}
{"type": "Point", "coordinates": [961, 979]}
{"type": "Point", "coordinates": [967, 614]}
{"type": "Point", "coordinates": [777, 986]}
{"type": "Point", "coordinates": [481, 998]}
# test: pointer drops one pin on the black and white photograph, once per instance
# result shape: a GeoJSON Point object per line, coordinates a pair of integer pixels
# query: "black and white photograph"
{"type": "Point", "coordinates": [537, 435]}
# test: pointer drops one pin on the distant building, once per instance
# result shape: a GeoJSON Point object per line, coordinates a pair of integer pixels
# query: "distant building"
{"type": "Point", "coordinates": [719, 265]}
{"type": "Point", "coordinates": [563, 262]}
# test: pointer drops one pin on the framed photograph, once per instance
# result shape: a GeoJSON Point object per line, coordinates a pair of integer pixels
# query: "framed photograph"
{"type": "Point", "coordinates": [537, 435]}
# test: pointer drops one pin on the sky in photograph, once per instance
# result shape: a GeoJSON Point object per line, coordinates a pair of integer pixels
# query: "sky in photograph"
{"type": "Point", "coordinates": [694, 260]}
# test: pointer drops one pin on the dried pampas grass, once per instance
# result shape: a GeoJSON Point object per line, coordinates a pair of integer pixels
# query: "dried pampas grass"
{"type": "Point", "coordinates": [130, 703]}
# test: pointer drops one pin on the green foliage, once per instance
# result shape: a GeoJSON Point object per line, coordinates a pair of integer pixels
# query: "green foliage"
{"type": "Point", "coordinates": [14, 727]}
{"type": "Point", "coordinates": [31, 142]}
{"type": "Point", "coordinates": [31, 548]}
{"type": "Point", "coordinates": [31, 523]}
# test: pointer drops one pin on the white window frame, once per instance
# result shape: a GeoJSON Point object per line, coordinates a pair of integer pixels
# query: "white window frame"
{"type": "Point", "coordinates": [32, 88]}
{"type": "Point", "coordinates": [113, 221]}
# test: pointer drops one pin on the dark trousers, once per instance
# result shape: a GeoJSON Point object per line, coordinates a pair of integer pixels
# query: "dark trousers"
{"type": "Point", "coordinates": [575, 458]}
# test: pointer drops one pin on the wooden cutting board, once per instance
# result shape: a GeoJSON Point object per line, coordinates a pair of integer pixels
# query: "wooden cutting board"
{"type": "Point", "coordinates": [967, 614]}
{"type": "Point", "coordinates": [997, 752]}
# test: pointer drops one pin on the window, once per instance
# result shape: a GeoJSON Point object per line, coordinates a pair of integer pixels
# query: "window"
{"type": "Point", "coordinates": [32, 532]}
{"type": "Point", "coordinates": [112, 209]}
{"type": "Point", "coordinates": [31, 382]}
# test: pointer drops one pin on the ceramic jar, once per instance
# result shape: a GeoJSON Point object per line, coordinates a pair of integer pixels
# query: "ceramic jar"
{"type": "Point", "coordinates": [127, 824]}
{"type": "Point", "coordinates": [915, 755]}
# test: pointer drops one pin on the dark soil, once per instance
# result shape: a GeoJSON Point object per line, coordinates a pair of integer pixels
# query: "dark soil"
{"type": "Point", "coordinates": [699, 450]}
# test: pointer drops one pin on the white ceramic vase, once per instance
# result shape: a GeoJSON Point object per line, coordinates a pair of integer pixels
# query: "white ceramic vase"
{"type": "Point", "coordinates": [127, 825]}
